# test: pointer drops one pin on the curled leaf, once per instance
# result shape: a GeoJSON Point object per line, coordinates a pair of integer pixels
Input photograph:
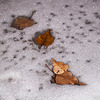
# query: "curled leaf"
{"type": "Point", "coordinates": [59, 67]}
{"type": "Point", "coordinates": [45, 39]}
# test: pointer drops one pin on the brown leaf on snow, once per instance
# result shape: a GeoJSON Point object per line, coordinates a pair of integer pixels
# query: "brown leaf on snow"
{"type": "Point", "coordinates": [45, 39]}
{"type": "Point", "coordinates": [22, 22]}
{"type": "Point", "coordinates": [59, 67]}
{"type": "Point", "coordinates": [62, 76]}
{"type": "Point", "coordinates": [67, 78]}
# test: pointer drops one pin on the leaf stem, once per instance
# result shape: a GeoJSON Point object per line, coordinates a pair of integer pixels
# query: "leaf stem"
{"type": "Point", "coordinates": [48, 67]}
{"type": "Point", "coordinates": [32, 14]}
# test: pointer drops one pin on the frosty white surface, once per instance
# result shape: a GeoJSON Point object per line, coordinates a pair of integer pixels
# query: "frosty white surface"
{"type": "Point", "coordinates": [75, 25]}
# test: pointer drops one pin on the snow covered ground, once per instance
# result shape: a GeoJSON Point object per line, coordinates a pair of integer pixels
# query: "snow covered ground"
{"type": "Point", "coordinates": [75, 25]}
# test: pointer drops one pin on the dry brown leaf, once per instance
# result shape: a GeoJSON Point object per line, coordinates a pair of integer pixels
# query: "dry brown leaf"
{"type": "Point", "coordinates": [67, 78]}
{"type": "Point", "coordinates": [22, 22]}
{"type": "Point", "coordinates": [59, 67]}
{"type": "Point", "coordinates": [45, 39]}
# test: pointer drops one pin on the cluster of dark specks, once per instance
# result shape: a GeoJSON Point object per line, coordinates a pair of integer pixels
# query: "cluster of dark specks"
{"type": "Point", "coordinates": [77, 59]}
{"type": "Point", "coordinates": [79, 17]}
{"type": "Point", "coordinates": [91, 30]}
{"type": "Point", "coordinates": [81, 27]}
{"type": "Point", "coordinates": [13, 16]}
{"type": "Point", "coordinates": [53, 14]}
{"type": "Point", "coordinates": [23, 57]}
{"type": "Point", "coordinates": [98, 33]}
{"type": "Point", "coordinates": [61, 50]}
{"type": "Point", "coordinates": [24, 41]}
{"type": "Point", "coordinates": [67, 36]}
{"type": "Point", "coordinates": [10, 79]}
{"type": "Point", "coordinates": [4, 52]}
{"type": "Point", "coordinates": [63, 56]}
{"type": "Point", "coordinates": [17, 99]}
{"type": "Point", "coordinates": [30, 70]}
{"type": "Point", "coordinates": [66, 6]}
{"type": "Point", "coordinates": [7, 68]}
{"type": "Point", "coordinates": [42, 73]}
{"type": "Point", "coordinates": [72, 37]}
{"type": "Point", "coordinates": [73, 53]}
{"type": "Point", "coordinates": [5, 31]}
{"type": "Point", "coordinates": [88, 60]}
{"type": "Point", "coordinates": [38, 3]}
{"type": "Point", "coordinates": [63, 23]}
{"type": "Point", "coordinates": [72, 42]}
{"type": "Point", "coordinates": [81, 6]}
{"type": "Point", "coordinates": [4, 58]}
{"type": "Point", "coordinates": [58, 38]}
{"type": "Point", "coordinates": [2, 42]}
{"type": "Point", "coordinates": [15, 39]}
{"type": "Point", "coordinates": [53, 79]}
{"type": "Point", "coordinates": [21, 38]}
{"type": "Point", "coordinates": [71, 19]}
{"type": "Point", "coordinates": [29, 90]}
{"type": "Point", "coordinates": [40, 86]}
{"type": "Point", "coordinates": [49, 62]}
{"type": "Point", "coordinates": [49, 19]}
{"type": "Point", "coordinates": [25, 48]}
{"type": "Point", "coordinates": [81, 34]}
{"type": "Point", "coordinates": [8, 31]}
{"type": "Point", "coordinates": [94, 0]}
{"type": "Point", "coordinates": [22, 33]}
{"type": "Point", "coordinates": [83, 13]}
{"type": "Point", "coordinates": [97, 15]}
{"type": "Point", "coordinates": [75, 24]}
{"type": "Point", "coordinates": [17, 50]}
{"type": "Point", "coordinates": [88, 22]}
{"type": "Point", "coordinates": [62, 41]}
{"type": "Point", "coordinates": [98, 41]}
{"type": "Point", "coordinates": [14, 56]}
{"type": "Point", "coordinates": [35, 23]}
{"type": "Point", "coordinates": [4, 22]}
{"type": "Point", "coordinates": [33, 58]}
{"type": "Point", "coordinates": [89, 40]}
{"type": "Point", "coordinates": [44, 53]}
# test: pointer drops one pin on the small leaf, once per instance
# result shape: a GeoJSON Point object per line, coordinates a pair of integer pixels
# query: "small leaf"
{"type": "Point", "coordinates": [67, 78]}
{"type": "Point", "coordinates": [45, 39]}
{"type": "Point", "coordinates": [59, 67]}
{"type": "Point", "coordinates": [22, 22]}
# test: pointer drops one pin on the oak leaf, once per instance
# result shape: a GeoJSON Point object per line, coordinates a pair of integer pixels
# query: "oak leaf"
{"type": "Point", "coordinates": [22, 22]}
{"type": "Point", "coordinates": [59, 67]}
{"type": "Point", "coordinates": [45, 39]}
